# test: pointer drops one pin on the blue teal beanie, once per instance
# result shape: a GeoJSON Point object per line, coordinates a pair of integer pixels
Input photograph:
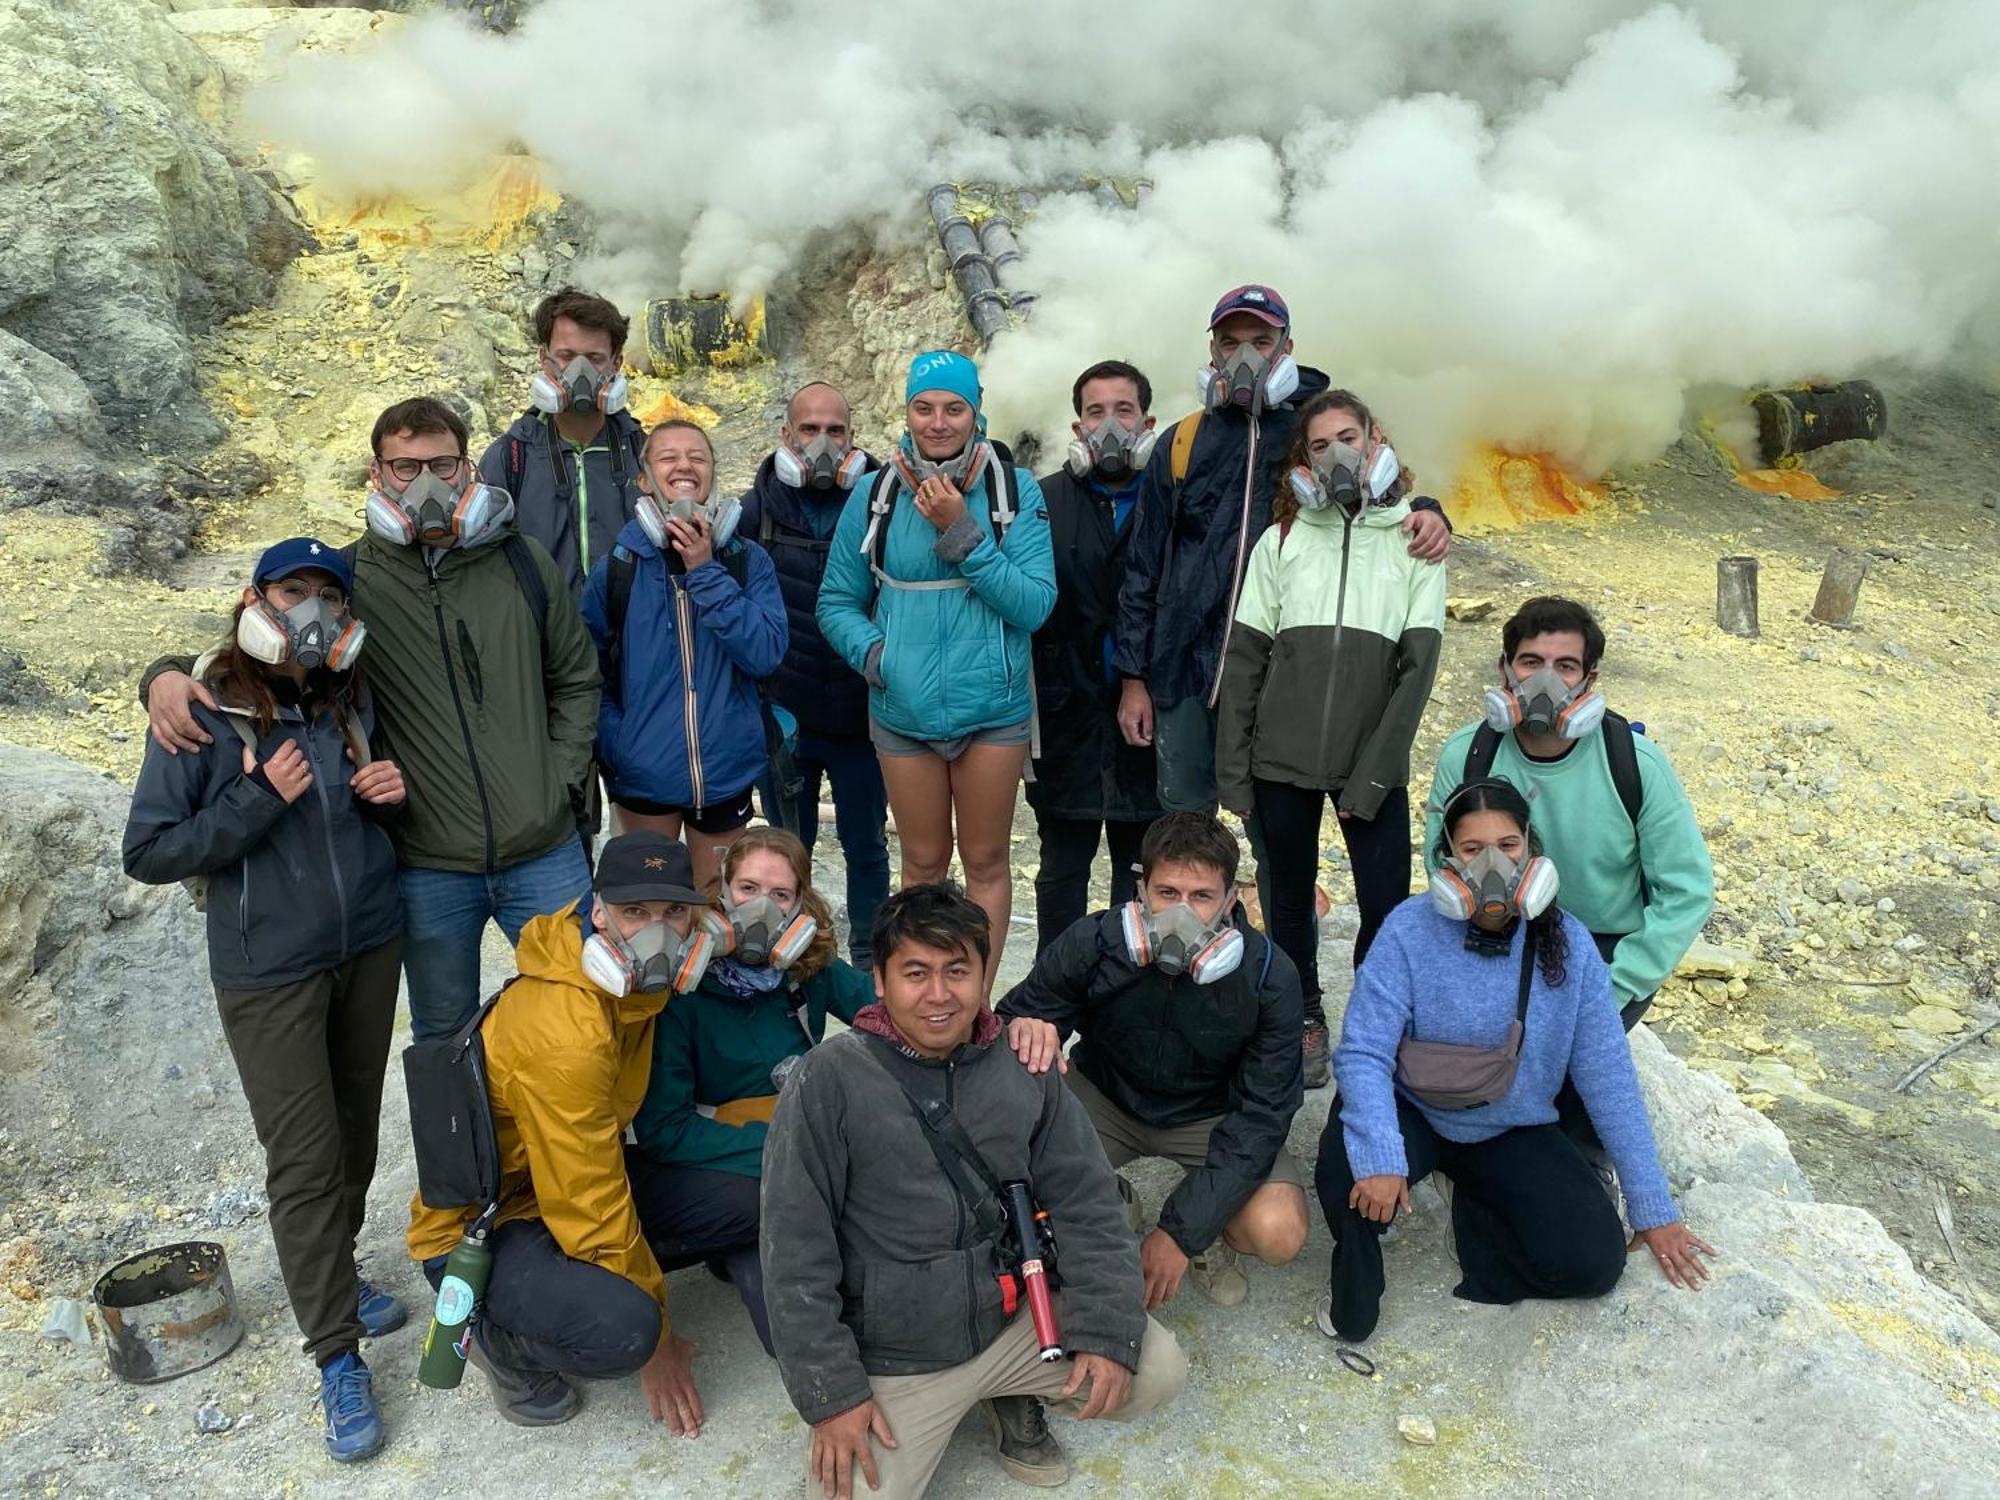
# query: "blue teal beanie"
{"type": "Point", "coordinates": [942, 370]}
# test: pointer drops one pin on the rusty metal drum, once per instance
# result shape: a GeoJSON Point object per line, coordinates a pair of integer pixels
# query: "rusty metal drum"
{"type": "Point", "coordinates": [167, 1312]}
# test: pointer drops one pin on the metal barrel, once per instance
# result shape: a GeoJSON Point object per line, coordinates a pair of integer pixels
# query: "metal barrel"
{"type": "Point", "coordinates": [1801, 419]}
{"type": "Point", "coordinates": [167, 1312]}
{"type": "Point", "coordinates": [677, 334]}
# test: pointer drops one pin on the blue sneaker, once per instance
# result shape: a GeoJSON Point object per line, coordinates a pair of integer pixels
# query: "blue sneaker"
{"type": "Point", "coordinates": [380, 1312]}
{"type": "Point", "coordinates": [353, 1422]}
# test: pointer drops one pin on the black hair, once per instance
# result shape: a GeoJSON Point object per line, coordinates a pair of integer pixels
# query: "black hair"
{"type": "Point", "coordinates": [416, 416]}
{"type": "Point", "coordinates": [1112, 369]}
{"type": "Point", "coordinates": [938, 916]}
{"type": "Point", "coordinates": [1491, 794]}
{"type": "Point", "coordinates": [586, 310]}
{"type": "Point", "coordinates": [1190, 838]}
{"type": "Point", "coordinates": [1547, 614]}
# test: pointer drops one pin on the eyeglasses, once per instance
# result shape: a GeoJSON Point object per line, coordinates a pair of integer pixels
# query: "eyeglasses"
{"type": "Point", "coordinates": [406, 469]}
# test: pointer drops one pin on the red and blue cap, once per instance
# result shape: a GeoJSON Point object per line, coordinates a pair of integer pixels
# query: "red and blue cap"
{"type": "Point", "coordinates": [297, 554]}
{"type": "Point", "coordinates": [1258, 301]}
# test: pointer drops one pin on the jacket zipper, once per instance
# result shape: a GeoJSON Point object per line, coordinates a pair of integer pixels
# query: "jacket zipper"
{"type": "Point", "coordinates": [464, 725]}
{"type": "Point", "coordinates": [326, 820]}
{"type": "Point", "coordinates": [1339, 619]}
{"type": "Point", "coordinates": [958, 1238]}
{"type": "Point", "coordinates": [1236, 578]}
{"type": "Point", "coordinates": [690, 704]}
{"type": "Point", "coordinates": [243, 907]}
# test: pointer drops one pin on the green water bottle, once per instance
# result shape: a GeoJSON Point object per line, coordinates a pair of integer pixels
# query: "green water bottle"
{"type": "Point", "coordinates": [459, 1292]}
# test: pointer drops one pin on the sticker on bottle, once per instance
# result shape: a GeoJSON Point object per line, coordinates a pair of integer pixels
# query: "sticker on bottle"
{"type": "Point", "coordinates": [454, 1304]}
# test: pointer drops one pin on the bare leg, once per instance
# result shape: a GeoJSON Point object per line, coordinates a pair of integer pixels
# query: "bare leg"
{"type": "Point", "coordinates": [707, 849]}
{"type": "Point", "coordinates": [1272, 1225]}
{"type": "Point", "coordinates": [920, 795]}
{"type": "Point", "coordinates": [985, 784]}
{"type": "Point", "coordinates": [624, 820]}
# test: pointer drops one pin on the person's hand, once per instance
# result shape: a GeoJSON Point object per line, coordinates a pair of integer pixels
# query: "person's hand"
{"type": "Point", "coordinates": [1378, 1198]}
{"type": "Point", "coordinates": [1344, 815]}
{"type": "Point", "coordinates": [1135, 713]}
{"type": "Point", "coordinates": [1430, 538]}
{"type": "Point", "coordinates": [839, 1443]}
{"type": "Point", "coordinates": [940, 502]}
{"type": "Point", "coordinates": [1037, 1044]}
{"type": "Point", "coordinates": [668, 1381]}
{"type": "Point", "coordinates": [170, 704]}
{"type": "Point", "coordinates": [380, 782]}
{"type": "Point", "coordinates": [1110, 1385]}
{"type": "Point", "coordinates": [1674, 1247]}
{"type": "Point", "coordinates": [692, 540]}
{"type": "Point", "coordinates": [286, 770]}
{"type": "Point", "coordinates": [1162, 1263]}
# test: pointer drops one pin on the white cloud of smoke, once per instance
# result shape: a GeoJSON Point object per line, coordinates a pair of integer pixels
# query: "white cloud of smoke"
{"type": "Point", "coordinates": [1537, 225]}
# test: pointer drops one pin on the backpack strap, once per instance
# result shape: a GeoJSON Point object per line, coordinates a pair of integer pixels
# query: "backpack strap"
{"type": "Point", "coordinates": [530, 579]}
{"type": "Point", "coordinates": [956, 1153]}
{"type": "Point", "coordinates": [1623, 757]}
{"type": "Point", "coordinates": [1479, 754]}
{"type": "Point", "coordinates": [1180, 452]}
{"type": "Point", "coordinates": [621, 568]}
{"type": "Point", "coordinates": [517, 466]}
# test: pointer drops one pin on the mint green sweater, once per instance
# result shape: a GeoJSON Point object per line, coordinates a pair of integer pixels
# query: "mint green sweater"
{"type": "Point", "coordinates": [1599, 855]}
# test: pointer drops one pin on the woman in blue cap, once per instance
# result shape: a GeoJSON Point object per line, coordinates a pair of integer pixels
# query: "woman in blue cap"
{"type": "Point", "coordinates": [275, 824]}
{"type": "Point", "coordinates": [940, 572]}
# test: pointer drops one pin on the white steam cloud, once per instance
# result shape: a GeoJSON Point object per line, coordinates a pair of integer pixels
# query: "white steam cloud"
{"type": "Point", "coordinates": [1537, 225]}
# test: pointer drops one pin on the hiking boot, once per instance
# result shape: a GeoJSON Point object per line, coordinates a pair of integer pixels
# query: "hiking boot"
{"type": "Point", "coordinates": [380, 1312]}
{"type": "Point", "coordinates": [1319, 1056]}
{"type": "Point", "coordinates": [1134, 1215]}
{"type": "Point", "coordinates": [354, 1428]}
{"type": "Point", "coordinates": [1029, 1452]}
{"type": "Point", "coordinates": [527, 1398]}
{"type": "Point", "coordinates": [1216, 1277]}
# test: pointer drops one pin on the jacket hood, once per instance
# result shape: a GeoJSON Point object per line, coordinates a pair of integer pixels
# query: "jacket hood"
{"type": "Point", "coordinates": [874, 1019]}
{"type": "Point", "coordinates": [1311, 383]}
{"type": "Point", "coordinates": [551, 949]}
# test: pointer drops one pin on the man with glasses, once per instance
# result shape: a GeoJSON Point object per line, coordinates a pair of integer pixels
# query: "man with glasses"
{"type": "Point", "coordinates": [571, 460]}
{"type": "Point", "coordinates": [485, 684]}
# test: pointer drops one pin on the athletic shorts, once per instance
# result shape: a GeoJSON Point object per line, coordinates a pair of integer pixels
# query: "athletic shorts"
{"type": "Point", "coordinates": [888, 742]}
{"type": "Point", "coordinates": [724, 816]}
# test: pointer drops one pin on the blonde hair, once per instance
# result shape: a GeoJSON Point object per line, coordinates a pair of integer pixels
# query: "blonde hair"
{"type": "Point", "coordinates": [824, 947]}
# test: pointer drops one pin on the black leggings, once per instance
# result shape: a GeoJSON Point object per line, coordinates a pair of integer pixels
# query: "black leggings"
{"type": "Point", "coordinates": [1062, 885]}
{"type": "Point", "coordinates": [1530, 1218]}
{"type": "Point", "coordinates": [1378, 849]}
{"type": "Point", "coordinates": [694, 1216]}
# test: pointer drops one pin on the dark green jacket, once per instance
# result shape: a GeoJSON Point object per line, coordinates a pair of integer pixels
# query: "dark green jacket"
{"type": "Point", "coordinates": [493, 732]}
{"type": "Point", "coordinates": [709, 1101]}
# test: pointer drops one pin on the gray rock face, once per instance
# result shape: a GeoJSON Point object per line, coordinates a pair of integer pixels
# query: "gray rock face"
{"type": "Point", "coordinates": [127, 228]}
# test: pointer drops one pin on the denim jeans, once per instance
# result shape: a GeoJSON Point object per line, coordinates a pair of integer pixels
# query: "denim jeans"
{"type": "Point", "coordinates": [446, 911]}
{"type": "Point", "coordinates": [860, 822]}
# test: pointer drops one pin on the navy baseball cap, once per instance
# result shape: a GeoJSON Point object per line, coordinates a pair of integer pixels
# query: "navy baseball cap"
{"type": "Point", "coordinates": [646, 867]}
{"type": "Point", "coordinates": [283, 559]}
{"type": "Point", "coordinates": [1258, 301]}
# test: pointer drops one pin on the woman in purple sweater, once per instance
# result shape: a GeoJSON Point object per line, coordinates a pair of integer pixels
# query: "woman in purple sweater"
{"type": "Point", "coordinates": [1474, 1004]}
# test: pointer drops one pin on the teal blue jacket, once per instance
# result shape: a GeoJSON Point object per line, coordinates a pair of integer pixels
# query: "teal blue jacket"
{"type": "Point", "coordinates": [955, 648]}
{"type": "Point", "coordinates": [709, 1100]}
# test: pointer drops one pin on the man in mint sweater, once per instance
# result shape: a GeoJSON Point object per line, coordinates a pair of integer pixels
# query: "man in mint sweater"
{"type": "Point", "coordinates": [1635, 870]}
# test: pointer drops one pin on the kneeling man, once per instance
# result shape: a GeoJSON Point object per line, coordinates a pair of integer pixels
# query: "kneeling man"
{"type": "Point", "coordinates": [884, 1249]}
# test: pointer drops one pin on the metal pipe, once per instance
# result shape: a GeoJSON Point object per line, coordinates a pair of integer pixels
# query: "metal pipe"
{"type": "Point", "coordinates": [984, 303]}
{"type": "Point", "coordinates": [1840, 588]}
{"type": "Point", "coordinates": [1736, 595]}
{"type": "Point", "coordinates": [996, 238]}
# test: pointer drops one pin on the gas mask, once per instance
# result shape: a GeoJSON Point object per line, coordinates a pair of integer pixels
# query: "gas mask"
{"type": "Point", "coordinates": [312, 633]}
{"type": "Point", "coordinates": [822, 464]}
{"type": "Point", "coordinates": [1542, 703]}
{"type": "Point", "coordinates": [962, 468]}
{"type": "Point", "coordinates": [652, 961]}
{"type": "Point", "coordinates": [652, 515]}
{"type": "Point", "coordinates": [1112, 451]}
{"type": "Point", "coordinates": [761, 932]}
{"type": "Point", "coordinates": [1493, 886]}
{"type": "Point", "coordinates": [1176, 941]}
{"type": "Point", "coordinates": [1248, 379]}
{"type": "Point", "coordinates": [433, 513]}
{"type": "Point", "coordinates": [576, 388]}
{"type": "Point", "coordinates": [1345, 477]}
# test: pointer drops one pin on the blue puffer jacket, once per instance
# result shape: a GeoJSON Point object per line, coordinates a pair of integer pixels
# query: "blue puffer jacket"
{"type": "Point", "coordinates": [955, 658]}
{"type": "Point", "coordinates": [796, 526]}
{"type": "Point", "coordinates": [680, 725]}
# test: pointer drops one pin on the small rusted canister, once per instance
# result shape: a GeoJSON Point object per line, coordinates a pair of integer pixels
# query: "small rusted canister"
{"type": "Point", "coordinates": [167, 1312]}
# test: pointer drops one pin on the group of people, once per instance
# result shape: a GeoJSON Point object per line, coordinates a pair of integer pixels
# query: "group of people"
{"type": "Point", "coordinates": [402, 738]}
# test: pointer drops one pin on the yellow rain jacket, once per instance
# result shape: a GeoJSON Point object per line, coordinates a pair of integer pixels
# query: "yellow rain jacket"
{"type": "Point", "coordinates": [566, 1067]}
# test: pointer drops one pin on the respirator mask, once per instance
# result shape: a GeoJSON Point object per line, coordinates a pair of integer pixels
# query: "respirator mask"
{"type": "Point", "coordinates": [1492, 886]}
{"type": "Point", "coordinates": [1542, 703]}
{"type": "Point", "coordinates": [1176, 941]}
{"type": "Point", "coordinates": [761, 932]}
{"type": "Point", "coordinates": [652, 961]}
{"type": "Point", "coordinates": [1346, 477]}
{"type": "Point", "coordinates": [1112, 451]}
{"type": "Point", "coordinates": [821, 464]}
{"type": "Point", "coordinates": [652, 514]}
{"type": "Point", "coordinates": [312, 633]}
{"type": "Point", "coordinates": [430, 511]}
{"type": "Point", "coordinates": [1248, 379]}
{"type": "Point", "coordinates": [576, 388]}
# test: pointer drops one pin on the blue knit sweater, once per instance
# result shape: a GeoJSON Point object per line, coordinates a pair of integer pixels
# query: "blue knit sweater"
{"type": "Point", "coordinates": [1420, 980]}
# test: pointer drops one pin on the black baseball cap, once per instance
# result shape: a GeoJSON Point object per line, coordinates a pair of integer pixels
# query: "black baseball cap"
{"type": "Point", "coordinates": [645, 867]}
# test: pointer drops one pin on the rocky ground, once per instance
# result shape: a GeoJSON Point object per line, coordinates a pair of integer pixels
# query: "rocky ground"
{"type": "Point", "coordinates": [1847, 781]}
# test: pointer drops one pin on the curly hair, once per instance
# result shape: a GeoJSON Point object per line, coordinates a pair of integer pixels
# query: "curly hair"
{"type": "Point", "coordinates": [823, 949]}
{"type": "Point", "coordinates": [1285, 505]}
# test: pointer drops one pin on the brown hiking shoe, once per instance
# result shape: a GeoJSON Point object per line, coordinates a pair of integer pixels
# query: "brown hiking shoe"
{"type": "Point", "coordinates": [1319, 1056]}
{"type": "Point", "coordinates": [1215, 1275]}
{"type": "Point", "coordinates": [1134, 1214]}
{"type": "Point", "coordinates": [1029, 1452]}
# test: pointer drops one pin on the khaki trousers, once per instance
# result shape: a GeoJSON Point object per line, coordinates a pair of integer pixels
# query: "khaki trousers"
{"type": "Point", "coordinates": [924, 1410]}
{"type": "Point", "coordinates": [1126, 1139]}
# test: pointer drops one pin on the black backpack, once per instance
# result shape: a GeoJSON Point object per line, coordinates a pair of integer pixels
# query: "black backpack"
{"type": "Point", "coordinates": [1619, 752]}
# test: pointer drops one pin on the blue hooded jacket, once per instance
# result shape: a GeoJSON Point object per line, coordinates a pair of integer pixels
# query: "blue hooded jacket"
{"type": "Point", "coordinates": [681, 725]}
{"type": "Point", "coordinates": [956, 658]}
